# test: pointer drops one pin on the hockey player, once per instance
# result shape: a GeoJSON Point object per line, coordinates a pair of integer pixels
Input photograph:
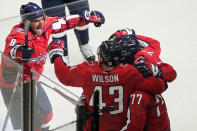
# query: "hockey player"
{"type": "Point", "coordinates": [74, 7]}
{"type": "Point", "coordinates": [113, 80]}
{"type": "Point", "coordinates": [33, 55]}
{"type": "Point", "coordinates": [147, 112]}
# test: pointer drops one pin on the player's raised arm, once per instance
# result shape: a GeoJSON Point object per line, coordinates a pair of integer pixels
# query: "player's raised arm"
{"type": "Point", "coordinates": [61, 24]}
{"type": "Point", "coordinates": [87, 17]}
{"type": "Point", "coordinates": [68, 75]}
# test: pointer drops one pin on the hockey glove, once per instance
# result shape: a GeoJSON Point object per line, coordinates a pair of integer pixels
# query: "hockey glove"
{"type": "Point", "coordinates": [148, 69]}
{"type": "Point", "coordinates": [95, 17]}
{"type": "Point", "coordinates": [55, 49]}
{"type": "Point", "coordinates": [21, 53]}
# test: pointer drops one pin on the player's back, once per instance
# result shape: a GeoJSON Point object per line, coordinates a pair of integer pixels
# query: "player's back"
{"type": "Point", "coordinates": [157, 118]}
{"type": "Point", "coordinates": [147, 112]}
{"type": "Point", "coordinates": [114, 89]}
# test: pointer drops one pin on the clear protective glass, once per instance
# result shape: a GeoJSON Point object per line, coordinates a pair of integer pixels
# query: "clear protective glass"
{"type": "Point", "coordinates": [62, 99]}
{"type": "Point", "coordinates": [11, 85]}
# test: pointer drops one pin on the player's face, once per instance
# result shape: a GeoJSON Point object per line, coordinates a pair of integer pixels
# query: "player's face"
{"type": "Point", "coordinates": [37, 25]}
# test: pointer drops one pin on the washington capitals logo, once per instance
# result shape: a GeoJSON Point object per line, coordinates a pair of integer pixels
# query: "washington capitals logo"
{"type": "Point", "coordinates": [140, 60]}
{"type": "Point", "coordinates": [20, 30]}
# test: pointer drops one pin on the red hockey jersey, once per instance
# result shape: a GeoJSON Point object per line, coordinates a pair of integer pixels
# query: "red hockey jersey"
{"type": "Point", "coordinates": [148, 112]}
{"type": "Point", "coordinates": [150, 49]}
{"type": "Point", "coordinates": [114, 87]}
{"type": "Point", "coordinates": [39, 43]}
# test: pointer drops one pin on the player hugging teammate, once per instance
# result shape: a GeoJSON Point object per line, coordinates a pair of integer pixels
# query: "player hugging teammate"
{"type": "Point", "coordinates": [138, 77]}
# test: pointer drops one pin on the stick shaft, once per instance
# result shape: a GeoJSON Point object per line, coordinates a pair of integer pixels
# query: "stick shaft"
{"type": "Point", "coordinates": [74, 102]}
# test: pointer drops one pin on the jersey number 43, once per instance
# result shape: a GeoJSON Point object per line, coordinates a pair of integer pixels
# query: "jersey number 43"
{"type": "Point", "coordinates": [118, 99]}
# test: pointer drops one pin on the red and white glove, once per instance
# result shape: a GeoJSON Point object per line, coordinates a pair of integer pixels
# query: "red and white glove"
{"type": "Point", "coordinates": [55, 49]}
{"type": "Point", "coordinates": [95, 17]}
{"type": "Point", "coordinates": [148, 69]}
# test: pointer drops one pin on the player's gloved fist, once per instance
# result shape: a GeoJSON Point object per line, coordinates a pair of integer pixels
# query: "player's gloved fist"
{"type": "Point", "coordinates": [95, 17]}
{"type": "Point", "coordinates": [55, 49]}
{"type": "Point", "coordinates": [21, 53]}
{"type": "Point", "coordinates": [148, 69]}
{"type": "Point", "coordinates": [155, 70]}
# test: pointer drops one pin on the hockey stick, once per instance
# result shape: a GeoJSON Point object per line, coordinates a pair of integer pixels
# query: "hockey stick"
{"type": "Point", "coordinates": [61, 87]}
{"type": "Point", "coordinates": [27, 24]}
{"type": "Point", "coordinates": [62, 126]}
{"type": "Point", "coordinates": [71, 100]}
